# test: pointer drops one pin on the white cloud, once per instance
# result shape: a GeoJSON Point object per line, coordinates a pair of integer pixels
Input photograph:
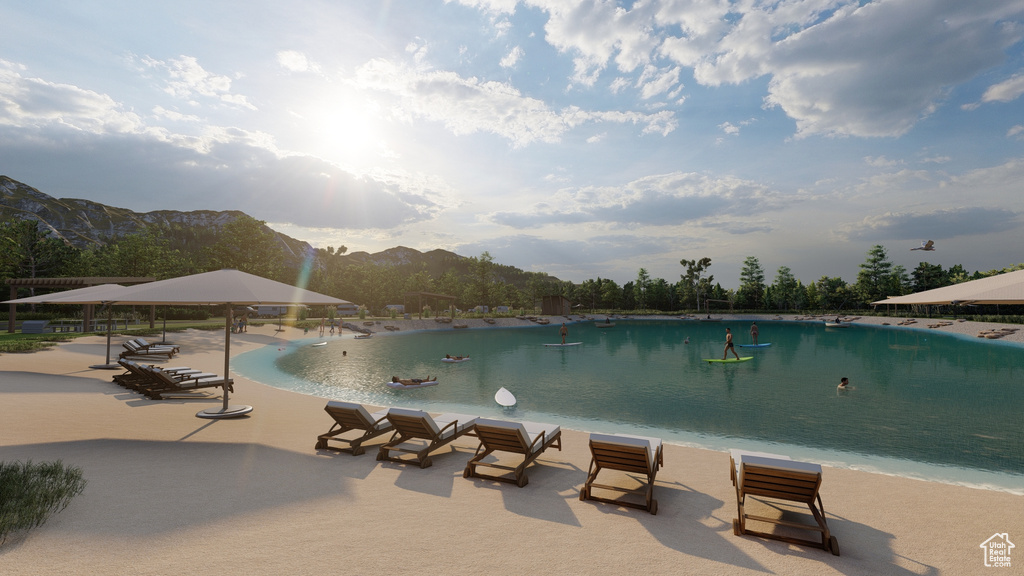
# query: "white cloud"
{"type": "Point", "coordinates": [1005, 91]}
{"type": "Point", "coordinates": [881, 161]}
{"type": "Point", "coordinates": [659, 200]}
{"type": "Point", "coordinates": [729, 128]}
{"type": "Point", "coordinates": [36, 103]}
{"type": "Point", "coordinates": [186, 78]}
{"type": "Point", "coordinates": [296, 61]}
{"type": "Point", "coordinates": [512, 58]}
{"type": "Point", "coordinates": [470, 105]}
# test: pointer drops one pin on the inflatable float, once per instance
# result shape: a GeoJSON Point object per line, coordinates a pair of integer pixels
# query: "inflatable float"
{"type": "Point", "coordinates": [504, 397]}
{"type": "Point", "coordinates": [421, 384]}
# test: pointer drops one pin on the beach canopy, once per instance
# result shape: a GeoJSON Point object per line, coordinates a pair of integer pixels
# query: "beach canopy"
{"type": "Point", "coordinates": [228, 287]}
{"type": "Point", "coordinates": [69, 296]}
{"type": "Point", "coordinates": [1005, 288]}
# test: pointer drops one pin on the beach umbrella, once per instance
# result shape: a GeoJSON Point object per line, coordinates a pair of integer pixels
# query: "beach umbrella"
{"type": "Point", "coordinates": [226, 287]}
{"type": "Point", "coordinates": [100, 294]}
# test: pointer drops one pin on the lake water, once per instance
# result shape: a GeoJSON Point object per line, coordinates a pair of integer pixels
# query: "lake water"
{"type": "Point", "coordinates": [923, 404]}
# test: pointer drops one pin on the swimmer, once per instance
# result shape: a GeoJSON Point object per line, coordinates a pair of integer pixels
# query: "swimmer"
{"type": "Point", "coordinates": [844, 383]}
{"type": "Point", "coordinates": [687, 341]}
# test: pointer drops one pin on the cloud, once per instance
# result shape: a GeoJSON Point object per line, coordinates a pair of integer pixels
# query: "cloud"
{"type": "Point", "coordinates": [937, 224]}
{"type": "Point", "coordinates": [659, 200]}
{"type": "Point", "coordinates": [471, 105]}
{"type": "Point", "coordinates": [296, 61]}
{"type": "Point", "coordinates": [512, 58]}
{"type": "Point", "coordinates": [38, 104]}
{"type": "Point", "coordinates": [1005, 91]}
{"type": "Point", "coordinates": [836, 67]}
{"type": "Point", "coordinates": [881, 161]}
{"type": "Point", "coordinates": [186, 78]}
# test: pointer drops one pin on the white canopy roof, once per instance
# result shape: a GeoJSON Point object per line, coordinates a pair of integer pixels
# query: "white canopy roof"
{"type": "Point", "coordinates": [1005, 288]}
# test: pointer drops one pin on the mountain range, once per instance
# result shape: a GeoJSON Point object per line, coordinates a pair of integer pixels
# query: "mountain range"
{"type": "Point", "coordinates": [84, 223]}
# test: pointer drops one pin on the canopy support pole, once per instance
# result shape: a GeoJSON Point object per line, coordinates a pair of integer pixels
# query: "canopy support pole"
{"type": "Point", "coordinates": [226, 411]}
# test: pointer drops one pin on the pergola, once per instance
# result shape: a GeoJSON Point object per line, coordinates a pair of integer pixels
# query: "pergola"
{"type": "Point", "coordinates": [429, 296]}
{"type": "Point", "coordinates": [70, 283]}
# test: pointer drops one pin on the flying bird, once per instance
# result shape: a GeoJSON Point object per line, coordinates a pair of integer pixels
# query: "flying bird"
{"type": "Point", "coordinates": [928, 246]}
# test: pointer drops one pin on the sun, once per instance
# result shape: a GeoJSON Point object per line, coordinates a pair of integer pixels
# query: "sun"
{"type": "Point", "coordinates": [348, 132]}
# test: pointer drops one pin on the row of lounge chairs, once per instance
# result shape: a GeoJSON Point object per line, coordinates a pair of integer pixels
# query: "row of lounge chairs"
{"type": "Point", "coordinates": [415, 434]}
{"type": "Point", "coordinates": [159, 383]}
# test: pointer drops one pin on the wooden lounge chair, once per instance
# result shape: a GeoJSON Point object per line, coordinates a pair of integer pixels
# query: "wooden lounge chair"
{"type": "Point", "coordinates": [136, 376]}
{"type": "Point", "coordinates": [527, 438]}
{"type": "Point", "coordinates": [349, 416]}
{"type": "Point", "coordinates": [132, 349]}
{"type": "Point", "coordinates": [416, 432]}
{"type": "Point", "coordinates": [145, 345]}
{"type": "Point", "coordinates": [164, 383]}
{"type": "Point", "coordinates": [786, 480]}
{"type": "Point", "coordinates": [630, 454]}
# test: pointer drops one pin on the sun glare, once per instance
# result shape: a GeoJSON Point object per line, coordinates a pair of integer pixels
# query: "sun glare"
{"type": "Point", "coordinates": [348, 133]}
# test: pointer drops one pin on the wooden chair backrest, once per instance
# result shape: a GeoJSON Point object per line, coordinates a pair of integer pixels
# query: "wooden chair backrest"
{"type": "Point", "coordinates": [792, 485]}
{"type": "Point", "coordinates": [349, 415]}
{"type": "Point", "coordinates": [501, 437]}
{"type": "Point", "coordinates": [413, 423]}
{"type": "Point", "coordinates": [624, 457]}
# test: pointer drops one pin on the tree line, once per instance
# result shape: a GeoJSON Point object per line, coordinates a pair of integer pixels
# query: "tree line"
{"type": "Point", "coordinates": [30, 251]}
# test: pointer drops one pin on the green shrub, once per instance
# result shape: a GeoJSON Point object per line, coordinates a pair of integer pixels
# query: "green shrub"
{"type": "Point", "coordinates": [29, 493]}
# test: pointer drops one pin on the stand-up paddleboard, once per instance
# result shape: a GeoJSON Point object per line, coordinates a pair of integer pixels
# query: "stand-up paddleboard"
{"type": "Point", "coordinates": [730, 360]}
{"type": "Point", "coordinates": [320, 344]}
{"type": "Point", "coordinates": [410, 386]}
{"type": "Point", "coordinates": [764, 345]}
{"type": "Point", "coordinates": [566, 344]}
{"type": "Point", "coordinates": [835, 325]}
{"type": "Point", "coordinates": [455, 360]}
{"type": "Point", "coordinates": [504, 397]}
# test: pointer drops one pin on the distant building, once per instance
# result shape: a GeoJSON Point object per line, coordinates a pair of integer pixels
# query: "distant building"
{"type": "Point", "coordinates": [555, 306]}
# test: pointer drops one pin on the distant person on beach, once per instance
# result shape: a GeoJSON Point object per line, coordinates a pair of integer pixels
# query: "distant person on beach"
{"type": "Point", "coordinates": [564, 332]}
{"type": "Point", "coordinates": [729, 345]}
{"type": "Point", "coordinates": [844, 382]}
{"type": "Point", "coordinates": [753, 332]}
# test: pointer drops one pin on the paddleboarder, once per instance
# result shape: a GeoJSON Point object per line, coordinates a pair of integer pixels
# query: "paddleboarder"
{"type": "Point", "coordinates": [753, 332]}
{"type": "Point", "coordinates": [729, 345]}
{"type": "Point", "coordinates": [564, 332]}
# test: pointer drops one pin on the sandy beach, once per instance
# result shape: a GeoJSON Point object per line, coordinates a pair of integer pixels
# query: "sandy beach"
{"type": "Point", "coordinates": [169, 493]}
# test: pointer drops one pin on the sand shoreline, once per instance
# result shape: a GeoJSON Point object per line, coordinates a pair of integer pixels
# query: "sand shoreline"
{"type": "Point", "coordinates": [172, 494]}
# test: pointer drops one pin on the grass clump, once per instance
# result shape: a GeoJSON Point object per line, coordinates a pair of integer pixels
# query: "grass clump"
{"type": "Point", "coordinates": [30, 493]}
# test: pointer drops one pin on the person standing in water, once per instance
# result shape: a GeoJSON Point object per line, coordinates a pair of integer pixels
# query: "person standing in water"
{"type": "Point", "coordinates": [753, 332]}
{"type": "Point", "coordinates": [729, 345]}
{"type": "Point", "coordinates": [844, 383]}
{"type": "Point", "coordinates": [564, 332]}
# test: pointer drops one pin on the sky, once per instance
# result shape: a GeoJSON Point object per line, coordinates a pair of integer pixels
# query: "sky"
{"type": "Point", "coordinates": [584, 139]}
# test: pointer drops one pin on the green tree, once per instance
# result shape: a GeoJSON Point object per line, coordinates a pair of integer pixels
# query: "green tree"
{"type": "Point", "coordinates": [784, 289]}
{"type": "Point", "coordinates": [811, 296]}
{"type": "Point", "coordinates": [247, 244]}
{"type": "Point", "coordinates": [751, 292]}
{"type": "Point", "coordinates": [694, 285]}
{"type": "Point", "coordinates": [640, 287]}
{"type": "Point", "coordinates": [833, 293]}
{"type": "Point", "coordinates": [145, 253]}
{"type": "Point", "coordinates": [874, 280]}
{"type": "Point", "coordinates": [928, 276]}
{"type": "Point", "coordinates": [481, 279]}
{"type": "Point", "coordinates": [28, 251]}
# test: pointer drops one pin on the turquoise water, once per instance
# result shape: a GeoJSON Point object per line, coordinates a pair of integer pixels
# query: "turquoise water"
{"type": "Point", "coordinates": [922, 404]}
